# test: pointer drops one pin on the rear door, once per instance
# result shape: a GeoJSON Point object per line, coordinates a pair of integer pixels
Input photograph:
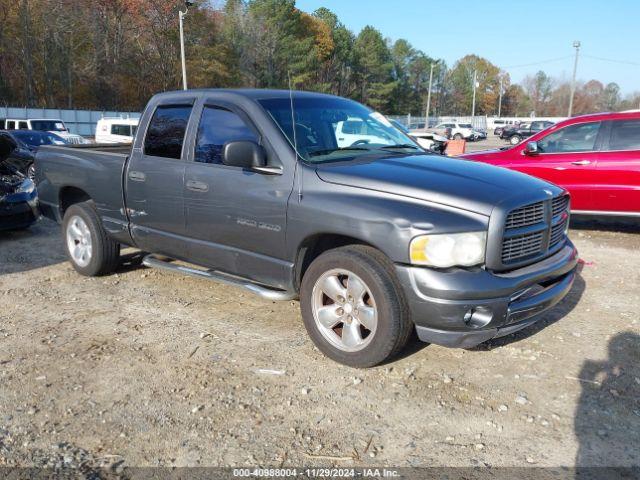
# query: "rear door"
{"type": "Point", "coordinates": [235, 218]}
{"type": "Point", "coordinates": [155, 181]}
{"type": "Point", "coordinates": [568, 157]}
{"type": "Point", "coordinates": [618, 168]}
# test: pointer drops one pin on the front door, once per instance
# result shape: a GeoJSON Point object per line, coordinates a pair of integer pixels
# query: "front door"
{"type": "Point", "coordinates": [155, 181]}
{"type": "Point", "coordinates": [567, 157]}
{"type": "Point", "coordinates": [235, 218]}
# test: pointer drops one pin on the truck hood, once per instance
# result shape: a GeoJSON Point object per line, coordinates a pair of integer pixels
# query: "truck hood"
{"type": "Point", "coordinates": [472, 186]}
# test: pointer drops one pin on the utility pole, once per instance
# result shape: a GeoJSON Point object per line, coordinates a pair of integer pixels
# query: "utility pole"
{"type": "Point", "coordinates": [426, 123]}
{"type": "Point", "coordinates": [475, 84]}
{"type": "Point", "coordinates": [576, 45]}
{"type": "Point", "coordinates": [181, 16]}
{"type": "Point", "coordinates": [500, 100]}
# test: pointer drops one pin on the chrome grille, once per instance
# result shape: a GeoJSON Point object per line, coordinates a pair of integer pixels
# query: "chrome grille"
{"type": "Point", "coordinates": [525, 216]}
{"type": "Point", "coordinates": [533, 230]}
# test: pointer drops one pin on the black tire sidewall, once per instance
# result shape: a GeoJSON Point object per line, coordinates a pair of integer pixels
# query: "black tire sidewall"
{"type": "Point", "coordinates": [384, 289]}
{"type": "Point", "coordinates": [86, 211]}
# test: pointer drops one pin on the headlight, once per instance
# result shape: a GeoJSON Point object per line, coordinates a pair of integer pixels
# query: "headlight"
{"type": "Point", "coordinates": [26, 187]}
{"type": "Point", "coordinates": [446, 250]}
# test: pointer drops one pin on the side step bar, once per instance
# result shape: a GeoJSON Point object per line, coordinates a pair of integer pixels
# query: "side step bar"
{"type": "Point", "coordinates": [264, 292]}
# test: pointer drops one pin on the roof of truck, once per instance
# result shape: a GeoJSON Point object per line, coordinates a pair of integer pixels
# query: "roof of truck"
{"type": "Point", "coordinates": [253, 93]}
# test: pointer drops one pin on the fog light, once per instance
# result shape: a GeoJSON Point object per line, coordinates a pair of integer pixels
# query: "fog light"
{"type": "Point", "coordinates": [478, 317]}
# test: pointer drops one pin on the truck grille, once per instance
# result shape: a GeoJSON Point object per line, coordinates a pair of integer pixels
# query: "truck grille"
{"type": "Point", "coordinates": [525, 216]}
{"type": "Point", "coordinates": [534, 230]}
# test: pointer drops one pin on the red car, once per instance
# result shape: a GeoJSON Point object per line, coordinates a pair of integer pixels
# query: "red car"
{"type": "Point", "coordinates": [595, 157]}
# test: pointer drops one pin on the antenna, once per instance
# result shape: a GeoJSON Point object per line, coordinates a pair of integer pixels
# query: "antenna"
{"type": "Point", "coordinates": [295, 136]}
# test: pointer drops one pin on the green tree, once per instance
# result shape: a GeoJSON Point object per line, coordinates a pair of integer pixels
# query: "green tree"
{"type": "Point", "coordinates": [374, 69]}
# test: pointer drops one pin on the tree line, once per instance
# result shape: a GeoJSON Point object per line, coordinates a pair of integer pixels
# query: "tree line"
{"type": "Point", "coordinates": [115, 54]}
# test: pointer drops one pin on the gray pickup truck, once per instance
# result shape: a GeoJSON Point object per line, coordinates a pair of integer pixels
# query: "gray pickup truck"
{"type": "Point", "coordinates": [316, 197]}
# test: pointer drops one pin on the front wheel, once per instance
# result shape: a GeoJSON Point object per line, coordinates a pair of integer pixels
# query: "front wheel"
{"type": "Point", "coordinates": [515, 140]}
{"type": "Point", "coordinates": [353, 306]}
{"type": "Point", "coordinates": [88, 246]}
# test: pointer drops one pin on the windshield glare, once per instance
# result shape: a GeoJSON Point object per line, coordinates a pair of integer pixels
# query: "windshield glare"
{"type": "Point", "coordinates": [330, 129]}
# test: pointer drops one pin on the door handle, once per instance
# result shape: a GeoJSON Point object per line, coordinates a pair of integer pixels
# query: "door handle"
{"type": "Point", "coordinates": [137, 176]}
{"type": "Point", "coordinates": [196, 186]}
{"type": "Point", "coordinates": [581, 162]}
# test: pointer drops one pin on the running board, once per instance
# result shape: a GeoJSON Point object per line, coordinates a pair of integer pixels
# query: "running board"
{"type": "Point", "coordinates": [264, 292]}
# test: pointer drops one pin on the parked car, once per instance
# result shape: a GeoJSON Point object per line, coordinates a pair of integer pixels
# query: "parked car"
{"type": "Point", "coordinates": [516, 134]}
{"type": "Point", "coordinates": [455, 131]}
{"type": "Point", "coordinates": [376, 239]}
{"type": "Point", "coordinates": [595, 157]}
{"type": "Point", "coordinates": [357, 131]}
{"type": "Point", "coordinates": [18, 197]}
{"type": "Point", "coordinates": [56, 126]}
{"type": "Point", "coordinates": [430, 141]}
{"type": "Point", "coordinates": [116, 130]}
{"type": "Point", "coordinates": [22, 146]}
{"type": "Point", "coordinates": [478, 135]}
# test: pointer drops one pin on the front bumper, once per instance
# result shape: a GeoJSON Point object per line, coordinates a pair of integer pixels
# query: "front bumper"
{"type": "Point", "coordinates": [15, 215]}
{"type": "Point", "coordinates": [463, 308]}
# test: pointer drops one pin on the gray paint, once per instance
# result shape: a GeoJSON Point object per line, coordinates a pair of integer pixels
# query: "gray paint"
{"type": "Point", "coordinates": [253, 225]}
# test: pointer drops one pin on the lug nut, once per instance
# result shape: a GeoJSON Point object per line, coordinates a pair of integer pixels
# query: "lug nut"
{"type": "Point", "coordinates": [340, 299]}
{"type": "Point", "coordinates": [340, 312]}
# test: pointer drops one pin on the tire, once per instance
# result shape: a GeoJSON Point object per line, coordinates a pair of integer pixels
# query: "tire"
{"type": "Point", "coordinates": [514, 140]}
{"type": "Point", "coordinates": [384, 301]}
{"type": "Point", "coordinates": [31, 172]}
{"type": "Point", "coordinates": [82, 227]}
{"type": "Point", "coordinates": [457, 136]}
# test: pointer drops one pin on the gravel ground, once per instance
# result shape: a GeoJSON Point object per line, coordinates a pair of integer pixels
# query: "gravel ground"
{"type": "Point", "coordinates": [145, 368]}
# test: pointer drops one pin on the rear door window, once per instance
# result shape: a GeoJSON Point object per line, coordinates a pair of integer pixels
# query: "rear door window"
{"type": "Point", "coordinates": [217, 127]}
{"type": "Point", "coordinates": [166, 132]}
{"type": "Point", "coordinates": [23, 126]}
{"type": "Point", "coordinates": [625, 135]}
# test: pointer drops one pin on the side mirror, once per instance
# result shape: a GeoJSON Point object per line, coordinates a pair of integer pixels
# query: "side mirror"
{"type": "Point", "coordinates": [249, 155]}
{"type": "Point", "coordinates": [243, 154]}
{"type": "Point", "coordinates": [531, 148]}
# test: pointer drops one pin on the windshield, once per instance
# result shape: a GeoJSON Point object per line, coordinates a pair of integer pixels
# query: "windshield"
{"type": "Point", "coordinates": [331, 129]}
{"type": "Point", "coordinates": [32, 138]}
{"type": "Point", "coordinates": [48, 125]}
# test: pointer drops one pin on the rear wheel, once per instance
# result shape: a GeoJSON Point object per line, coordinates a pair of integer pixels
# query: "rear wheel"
{"type": "Point", "coordinates": [353, 306]}
{"type": "Point", "coordinates": [88, 247]}
{"type": "Point", "coordinates": [457, 136]}
{"type": "Point", "coordinates": [515, 140]}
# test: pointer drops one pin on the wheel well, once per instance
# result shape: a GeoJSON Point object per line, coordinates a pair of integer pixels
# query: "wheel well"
{"type": "Point", "coordinates": [315, 246]}
{"type": "Point", "coordinates": [70, 196]}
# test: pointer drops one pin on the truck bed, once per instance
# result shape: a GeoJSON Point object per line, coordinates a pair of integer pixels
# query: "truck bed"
{"type": "Point", "coordinates": [66, 173]}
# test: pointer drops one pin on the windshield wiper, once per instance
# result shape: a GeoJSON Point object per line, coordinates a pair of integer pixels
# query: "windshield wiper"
{"type": "Point", "coordinates": [331, 150]}
{"type": "Point", "coordinates": [404, 145]}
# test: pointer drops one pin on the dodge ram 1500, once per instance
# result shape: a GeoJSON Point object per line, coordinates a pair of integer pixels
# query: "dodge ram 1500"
{"type": "Point", "coordinates": [376, 238]}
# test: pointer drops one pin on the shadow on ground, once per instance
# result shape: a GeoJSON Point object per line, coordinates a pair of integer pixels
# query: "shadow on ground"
{"type": "Point", "coordinates": [607, 420]}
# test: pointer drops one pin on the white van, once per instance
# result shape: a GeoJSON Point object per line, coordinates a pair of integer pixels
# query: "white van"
{"type": "Point", "coordinates": [116, 130]}
{"type": "Point", "coordinates": [53, 125]}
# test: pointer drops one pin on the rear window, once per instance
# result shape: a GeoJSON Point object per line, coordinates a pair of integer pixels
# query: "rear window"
{"type": "Point", "coordinates": [167, 128]}
{"type": "Point", "coordinates": [625, 135]}
{"type": "Point", "coordinates": [121, 130]}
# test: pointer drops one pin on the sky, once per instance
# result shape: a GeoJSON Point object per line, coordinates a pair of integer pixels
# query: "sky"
{"type": "Point", "coordinates": [511, 33]}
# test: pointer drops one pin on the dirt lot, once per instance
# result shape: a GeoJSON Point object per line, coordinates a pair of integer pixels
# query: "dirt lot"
{"type": "Point", "coordinates": [149, 368]}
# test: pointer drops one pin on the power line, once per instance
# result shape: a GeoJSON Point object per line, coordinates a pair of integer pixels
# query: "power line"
{"type": "Point", "coordinates": [624, 62]}
{"type": "Point", "coordinates": [542, 62]}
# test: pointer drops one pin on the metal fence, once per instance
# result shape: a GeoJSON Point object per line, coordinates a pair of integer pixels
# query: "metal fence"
{"type": "Point", "coordinates": [411, 121]}
{"type": "Point", "coordinates": [81, 122]}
